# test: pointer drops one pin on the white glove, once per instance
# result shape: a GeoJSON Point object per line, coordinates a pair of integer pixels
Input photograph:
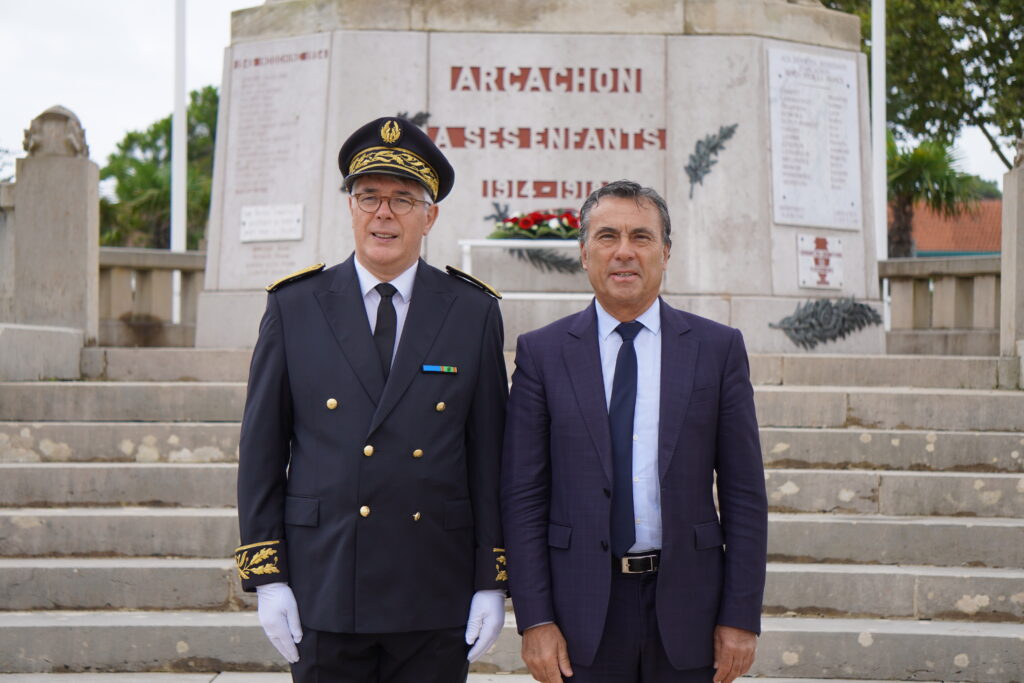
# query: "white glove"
{"type": "Point", "coordinates": [279, 616]}
{"type": "Point", "coordinates": [486, 619]}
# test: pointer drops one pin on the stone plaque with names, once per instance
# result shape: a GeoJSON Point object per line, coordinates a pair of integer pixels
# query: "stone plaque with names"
{"type": "Point", "coordinates": [274, 158]}
{"type": "Point", "coordinates": [820, 262]}
{"type": "Point", "coordinates": [815, 139]}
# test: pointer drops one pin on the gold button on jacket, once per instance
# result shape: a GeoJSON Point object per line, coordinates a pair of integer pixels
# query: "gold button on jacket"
{"type": "Point", "coordinates": [368, 451]}
{"type": "Point", "coordinates": [418, 453]}
{"type": "Point", "coordinates": [332, 403]}
{"type": "Point", "coordinates": [440, 407]}
{"type": "Point", "coordinates": [365, 511]}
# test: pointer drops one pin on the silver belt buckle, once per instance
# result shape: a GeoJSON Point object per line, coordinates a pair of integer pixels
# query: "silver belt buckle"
{"type": "Point", "coordinates": [625, 564]}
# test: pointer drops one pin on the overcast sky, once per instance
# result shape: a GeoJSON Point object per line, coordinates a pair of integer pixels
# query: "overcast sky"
{"type": "Point", "coordinates": [112, 63]}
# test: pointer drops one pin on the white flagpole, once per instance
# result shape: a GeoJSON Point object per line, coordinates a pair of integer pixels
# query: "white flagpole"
{"type": "Point", "coordinates": [879, 185]}
{"type": "Point", "coordinates": [179, 153]}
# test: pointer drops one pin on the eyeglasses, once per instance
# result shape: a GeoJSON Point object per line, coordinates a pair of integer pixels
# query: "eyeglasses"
{"type": "Point", "coordinates": [399, 205]}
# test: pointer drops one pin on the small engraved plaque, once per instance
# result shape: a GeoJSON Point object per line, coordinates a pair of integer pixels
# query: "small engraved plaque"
{"type": "Point", "coordinates": [820, 262]}
{"type": "Point", "coordinates": [271, 223]}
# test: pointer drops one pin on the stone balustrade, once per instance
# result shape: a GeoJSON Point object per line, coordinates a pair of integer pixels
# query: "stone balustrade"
{"type": "Point", "coordinates": [946, 306]}
{"type": "Point", "coordinates": [137, 299]}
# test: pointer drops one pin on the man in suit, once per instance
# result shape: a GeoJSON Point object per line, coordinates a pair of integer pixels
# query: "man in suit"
{"type": "Point", "coordinates": [619, 419]}
{"type": "Point", "coordinates": [369, 458]}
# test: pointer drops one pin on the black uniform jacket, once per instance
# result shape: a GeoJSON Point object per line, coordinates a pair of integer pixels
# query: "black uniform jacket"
{"type": "Point", "coordinates": [377, 503]}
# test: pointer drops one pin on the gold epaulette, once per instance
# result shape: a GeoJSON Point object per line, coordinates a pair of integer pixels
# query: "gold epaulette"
{"type": "Point", "coordinates": [297, 275]}
{"type": "Point", "coordinates": [257, 558]}
{"type": "Point", "coordinates": [479, 284]}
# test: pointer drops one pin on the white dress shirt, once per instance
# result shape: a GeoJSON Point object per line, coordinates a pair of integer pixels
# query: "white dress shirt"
{"type": "Point", "coordinates": [646, 484]}
{"type": "Point", "coordinates": [371, 298]}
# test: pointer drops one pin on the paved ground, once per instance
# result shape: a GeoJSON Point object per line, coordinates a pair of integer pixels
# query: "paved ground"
{"type": "Point", "coordinates": [285, 678]}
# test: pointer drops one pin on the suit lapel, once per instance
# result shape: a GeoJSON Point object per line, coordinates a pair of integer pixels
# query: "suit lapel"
{"type": "Point", "coordinates": [583, 361]}
{"type": "Point", "coordinates": [678, 370]}
{"type": "Point", "coordinates": [427, 312]}
{"type": "Point", "coordinates": [345, 311]}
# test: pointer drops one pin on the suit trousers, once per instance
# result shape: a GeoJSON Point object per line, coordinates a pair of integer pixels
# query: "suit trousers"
{"type": "Point", "coordinates": [631, 650]}
{"type": "Point", "coordinates": [418, 657]}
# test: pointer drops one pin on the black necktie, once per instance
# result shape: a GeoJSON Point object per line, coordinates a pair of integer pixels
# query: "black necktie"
{"type": "Point", "coordinates": [387, 323]}
{"type": "Point", "coordinates": [620, 420]}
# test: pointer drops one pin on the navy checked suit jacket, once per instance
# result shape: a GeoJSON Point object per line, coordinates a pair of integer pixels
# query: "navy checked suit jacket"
{"type": "Point", "coordinates": [556, 484]}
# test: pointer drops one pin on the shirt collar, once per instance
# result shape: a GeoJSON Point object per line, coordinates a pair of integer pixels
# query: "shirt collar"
{"type": "Point", "coordinates": [403, 283]}
{"type": "Point", "coordinates": [606, 324]}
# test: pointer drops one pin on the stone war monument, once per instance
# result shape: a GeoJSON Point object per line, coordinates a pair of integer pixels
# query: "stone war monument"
{"type": "Point", "coordinates": [749, 116]}
{"type": "Point", "coordinates": [49, 252]}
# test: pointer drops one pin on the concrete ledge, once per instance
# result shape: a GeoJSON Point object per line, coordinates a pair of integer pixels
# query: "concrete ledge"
{"type": "Point", "coordinates": [122, 401]}
{"type": "Point", "coordinates": [282, 19]}
{"type": "Point", "coordinates": [943, 342]}
{"type": "Point", "coordinates": [33, 352]}
{"type": "Point", "coordinates": [229, 320]}
{"type": "Point", "coordinates": [800, 23]}
{"type": "Point", "coordinates": [119, 442]}
{"type": "Point", "coordinates": [187, 641]}
{"type": "Point", "coordinates": [906, 592]}
{"type": "Point", "coordinates": [131, 532]}
{"type": "Point", "coordinates": [75, 484]}
{"type": "Point", "coordinates": [893, 449]}
{"type": "Point", "coordinates": [166, 365]}
{"type": "Point", "coordinates": [876, 539]}
{"type": "Point", "coordinates": [124, 583]}
{"type": "Point", "coordinates": [895, 493]}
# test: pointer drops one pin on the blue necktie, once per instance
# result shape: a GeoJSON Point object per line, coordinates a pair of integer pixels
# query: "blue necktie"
{"type": "Point", "coordinates": [620, 420]}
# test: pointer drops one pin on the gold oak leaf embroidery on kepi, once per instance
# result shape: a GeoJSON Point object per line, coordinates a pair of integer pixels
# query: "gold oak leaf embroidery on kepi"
{"type": "Point", "coordinates": [258, 564]}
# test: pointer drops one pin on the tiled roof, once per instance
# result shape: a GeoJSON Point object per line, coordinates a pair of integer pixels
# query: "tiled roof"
{"type": "Point", "coordinates": [977, 230]}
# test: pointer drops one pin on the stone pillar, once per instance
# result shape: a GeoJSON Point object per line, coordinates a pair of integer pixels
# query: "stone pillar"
{"type": "Point", "coordinates": [1011, 327]}
{"type": "Point", "coordinates": [49, 301]}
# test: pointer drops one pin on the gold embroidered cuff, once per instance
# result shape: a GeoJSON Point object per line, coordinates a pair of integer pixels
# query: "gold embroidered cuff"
{"type": "Point", "coordinates": [260, 563]}
{"type": "Point", "coordinates": [491, 569]}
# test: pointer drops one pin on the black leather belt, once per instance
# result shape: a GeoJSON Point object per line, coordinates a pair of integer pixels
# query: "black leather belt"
{"type": "Point", "coordinates": [638, 564]}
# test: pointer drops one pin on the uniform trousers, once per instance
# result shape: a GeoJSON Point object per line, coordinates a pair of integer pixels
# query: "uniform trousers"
{"type": "Point", "coordinates": [437, 656]}
{"type": "Point", "coordinates": [631, 649]}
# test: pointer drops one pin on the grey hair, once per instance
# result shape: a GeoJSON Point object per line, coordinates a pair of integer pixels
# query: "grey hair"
{"type": "Point", "coordinates": [626, 189]}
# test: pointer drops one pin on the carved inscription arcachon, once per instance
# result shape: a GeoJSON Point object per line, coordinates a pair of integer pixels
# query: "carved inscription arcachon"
{"type": "Point", "coordinates": [564, 88]}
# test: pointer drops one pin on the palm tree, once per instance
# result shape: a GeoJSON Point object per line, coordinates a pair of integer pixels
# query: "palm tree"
{"type": "Point", "coordinates": [925, 174]}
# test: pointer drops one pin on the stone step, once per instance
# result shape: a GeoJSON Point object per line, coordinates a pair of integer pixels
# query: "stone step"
{"type": "Point", "coordinates": [895, 493]}
{"type": "Point", "coordinates": [213, 532]}
{"type": "Point", "coordinates": [956, 372]}
{"type": "Point", "coordinates": [777, 406]}
{"type": "Point", "coordinates": [136, 583]}
{"type": "Point", "coordinates": [792, 647]}
{"type": "Point", "coordinates": [229, 677]}
{"type": "Point", "coordinates": [120, 364]}
{"type": "Point", "coordinates": [120, 531]}
{"type": "Point", "coordinates": [122, 401]}
{"type": "Point", "coordinates": [76, 484]}
{"type": "Point", "coordinates": [783, 446]}
{"type": "Point", "coordinates": [905, 592]}
{"type": "Point", "coordinates": [890, 408]}
{"type": "Point", "coordinates": [952, 372]}
{"type": "Point", "coordinates": [892, 449]}
{"type": "Point", "coordinates": [915, 592]}
{"type": "Point", "coordinates": [119, 441]}
{"type": "Point", "coordinates": [789, 490]}
{"type": "Point", "coordinates": [881, 539]}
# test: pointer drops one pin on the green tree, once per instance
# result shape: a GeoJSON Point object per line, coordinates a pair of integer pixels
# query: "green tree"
{"type": "Point", "coordinates": [951, 64]}
{"type": "Point", "coordinates": [927, 174]}
{"type": "Point", "coordinates": [140, 212]}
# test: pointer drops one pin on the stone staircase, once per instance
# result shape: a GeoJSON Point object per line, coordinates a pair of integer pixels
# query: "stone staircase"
{"type": "Point", "coordinates": [896, 531]}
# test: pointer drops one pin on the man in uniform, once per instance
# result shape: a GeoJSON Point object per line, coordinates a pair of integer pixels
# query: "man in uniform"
{"type": "Point", "coordinates": [370, 448]}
